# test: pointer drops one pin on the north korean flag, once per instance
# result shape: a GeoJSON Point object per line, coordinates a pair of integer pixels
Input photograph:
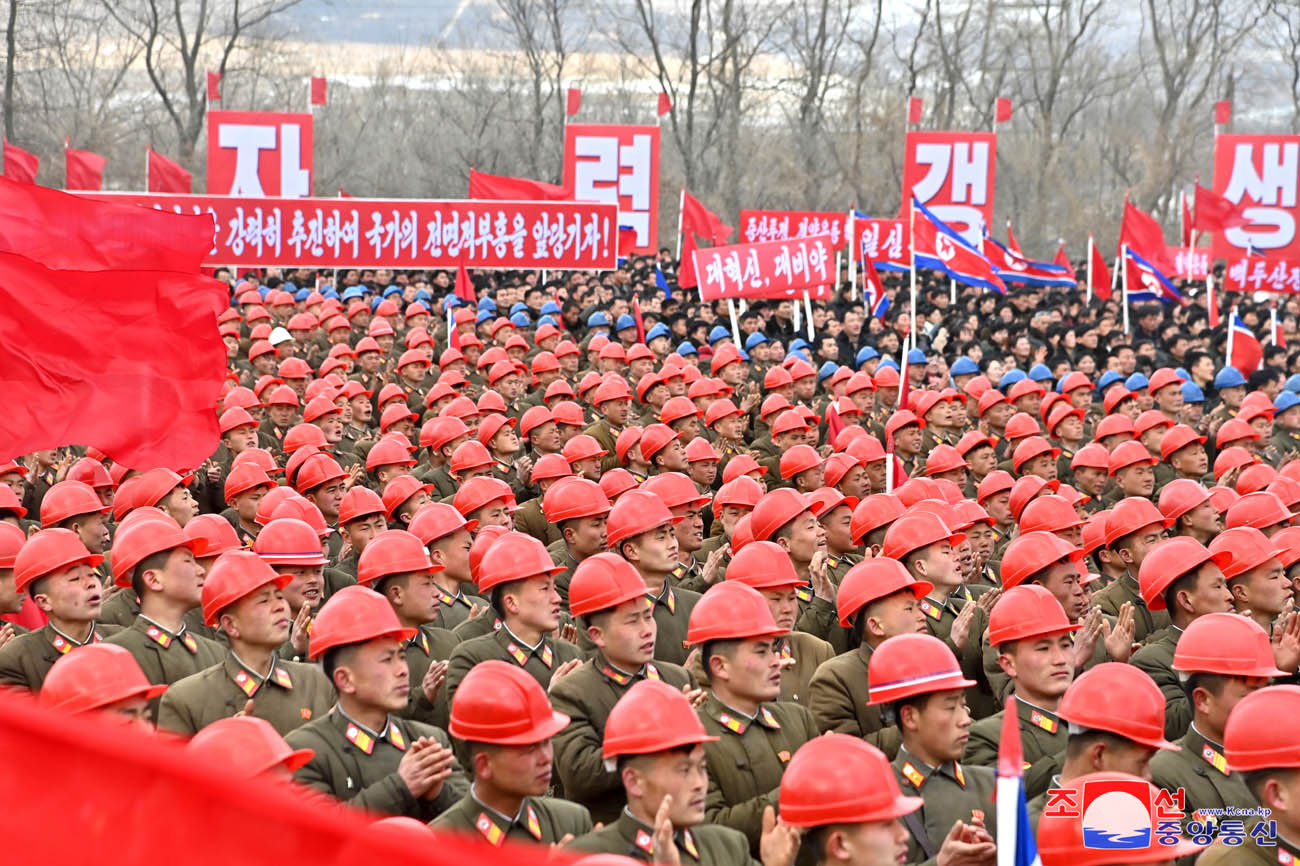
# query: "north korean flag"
{"type": "Point", "coordinates": [937, 245]}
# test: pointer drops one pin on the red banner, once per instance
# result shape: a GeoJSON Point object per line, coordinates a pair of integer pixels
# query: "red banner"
{"type": "Point", "coordinates": [400, 233]}
{"type": "Point", "coordinates": [952, 174]}
{"type": "Point", "coordinates": [1257, 274]}
{"type": "Point", "coordinates": [884, 241]}
{"type": "Point", "coordinates": [1262, 171]}
{"type": "Point", "coordinates": [619, 165]}
{"type": "Point", "coordinates": [1190, 263]}
{"type": "Point", "coordinates": [774, 269]}
{"type": "Point", "coordinates": [757, 226]}
{"type": "Point", "coordinates": [256, 154]}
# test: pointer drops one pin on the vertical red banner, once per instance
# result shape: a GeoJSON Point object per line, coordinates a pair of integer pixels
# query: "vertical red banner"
{"type": "Point", "coordinates": [617, 164]}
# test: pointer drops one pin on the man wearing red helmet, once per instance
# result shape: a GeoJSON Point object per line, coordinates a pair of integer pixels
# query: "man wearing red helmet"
{"type": "Point", "coordinates": [612, 402]}
{"type": "Point", "coordinates": [506, 723]}
{"type": "Point", "coordinates": [1133, 528]}
{"type": "Point", "coordinates": [448, 537]}
{"type": "Point", "coordinates": [579, 510]}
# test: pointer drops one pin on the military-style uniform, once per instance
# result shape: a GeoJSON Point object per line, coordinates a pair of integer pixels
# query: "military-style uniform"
{"type": "Point", "coordinates": [838, 699]}
{"type": "Point", "coordinates": [690, 575]}
{"type": "Point", "coordinates": [444, 486]}
{"type": "Point", "coordinates": [939, 619]}
{"type": "Point", "coordinates": [540, 660]}
{"type": "Point", "coordinates": [748, 759]}
{"type": "Point", "coordinates": [1201, 770]}
{"type": "Point", "coordinates": [951, 792]}
{"type": "Point", "coordinates": [1043, 737]}
{"type": "Point", "coordinates": [607, 436]}
{"type": "Point", "coordinates": [427, 646]}
{"type": "Point", "coordinates": [544, 820]}
{"type": "Point", "coordinates": [289, 697]}
{"type": "Point", "coordinates": [1156, 660]}
{"type": "Point", "coordinates": [454, 609]}
{"type": "Point", "coordinates": [563, 557]}
{"type": "Point", "coordinates": [808, 652]}
{"type": "Point", "coordinates": [27, 658]}
{"type": "Point", "coordinates": [1145, 620]}
{"type": "Point", "coordinates": [531, 519]}
{"type": "Point", "coordinates": [701, 845]}
{"type": "Point", "coordinates": [1285, 442]}
{"type": "Point", "coordinates": [587, 696]}
{"type": "Point", "coordinates": [817, 616]}
{"type": "Point", "coordinates": [359, 766]}
{"type": "Point", "coordinates": [123, 608]}
{"type": "Point", "coordinates": [672, 614]}
{"type": "Point", "coordinates": [165, 656]}
{"type": "Point", "coordinates": [485, 622]}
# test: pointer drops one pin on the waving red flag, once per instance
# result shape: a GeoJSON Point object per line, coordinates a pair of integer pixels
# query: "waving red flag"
{"type": "Point", "coordinates": [1214, 213]}
{"type": "Point", "coordinates": [1061, 258]}
{"type": "Point", "coordinates": [123, 351]}
{"type": "Point", "coordinates": [214, 87]}
{"type": "Point", "coordinates": [572, 101]}
{"type": "Point", "coordinates": [686, 277]}
{"type": "Point", "coordinates": [1012, 243]}
{"type": "Point", "coordinates": [699, 220]}
{"type": "Point", "coordinates": [464, 288]}
{"type": "Point", "coordinates": [20, 165]}
{"type": "Point", "coordinates": [665, 104]}
{"type": "Point", "coordinates": [166, 176]}
{"type": "Point", "coordinates": [319, 90]}
{"type": "Point", "coordinates": [1100, 274]}
{"type": "Point", "coordinates": [1186, 221]}
{"type": "Point", "coordinates": [1146, 238]}
{"type": "Point", "coordinates": [83, 169]}
{"type": "Point", "coordinates": [498, 187]}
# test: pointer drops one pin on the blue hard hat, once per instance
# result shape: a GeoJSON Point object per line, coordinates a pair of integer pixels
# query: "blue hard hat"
{"type": "Point", "coordinates": [328, 292]}
{"type": "Point", "coordinates": [624, 322]}
{"type": "Point", "coordinates": [597, 319]}
{"type": "Point", "coordinates": [686, 348]}
{"type": "Point", "coordinates": [798, 343]}
{"type": "Point", "coordinates": [288, 286]}
{"type": "Point", "coordinates": [757, 338]}
{"type": "Point", "coordinates": [301, 295]}
{"type": "Point", "coordinates": [1293, 383]}
{"type": "Point", "coordinates": [1229, 377]}
{"type": "Point", "coordinates": [353, 292]}
{"type": "Point", "coordinates": [1136, 382]}
{"type": "Point", "coordinates": [797, 353]}
{"type": "Point", "coordinates": [392, 290]}
{"type": "Point", "coordinates": [374, 303]}
{"type": "Point", "coordinates": [550, 308]}
{"type": "Point", "coordinates": [1107, 379]}
{"type": "Point", "coordinates": [1285, 400]}
{"type": "Point", "coordinates": [518, 307]}
{"type": "Point", "coordinates": [659, 330]}
{"type": "Point", "coordinates": [1011, 377]}
{"type": "Point", "coordinates": [546, 320]}
{"type": "Point", "coordinates": [888, 363]}
{"type": "Point", "coordinates": [964, 366]}
{"type": "Point", "coordinates": [744, 356]}
{"type": "Point", "coordinates": [483, 316]}
{"type": "Point", "coordinates": [486, 303]}
{"type": "Point", "coordinates": [1192, 392]}
{"type": "Point", "coordinates": [1182, 373]}
{"type": "Point", "coordinates": [916, 356]}
{"type": "Point", "coordinates": [521, 320]}
{"type": "Point", "coordinates": [719, 332]}
{"type": "Point", "coordinates": [827, 370]}
{"type": "Point", "coordinates": [423, 295]}
{"type": "Point", "coordinates": [1040, 373]}
{"type": "Point", "coordinates": [865, 354]}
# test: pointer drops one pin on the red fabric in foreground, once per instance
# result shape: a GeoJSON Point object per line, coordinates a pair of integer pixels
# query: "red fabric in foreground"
{"type": "Point", "coordinates": [82, 786]}
{"type": "Point", "coordinates": [499, 187]}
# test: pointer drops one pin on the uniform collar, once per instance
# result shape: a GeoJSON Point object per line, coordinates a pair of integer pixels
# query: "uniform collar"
{"type": "Point", "coordinates": [364, 738]}
{"type": "Point", "coordinates": [66, 644]}
{"type": "Point", "coordinates": [420, 640]}
{"type": "Point", "coordinates": [495, 826]}
{"type": "Point", "coordinates": [1037, 716]}
{"type": "Point", "coordinates": [666, 597]}
{"type": "Point", "coordinates": [521, 652]}
{"type": "Point", "coordinates": [641, 835]}
{"type": "Point", "coordinates": [615, 673]}
{"type": "Point", "coordinates": [162, 636]}
{"type": "Point", "coordinates": [918, 772]}
{"type": "Point", "coordinates": [736, 721]}
{"type": "Point", "coordinates": [1209, 751]}
{"type": "Point", "coordinates": [250, 681]}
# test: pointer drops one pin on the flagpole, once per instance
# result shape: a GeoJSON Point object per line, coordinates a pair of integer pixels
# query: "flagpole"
{"type": "Point", "coordinates": [853, 256]}
{"type": "Point", "coordinates": [911, 224]}
{"type": "Point", "coordinates": [66, 141]}
{"type": "Point", "coordinates": [735, 322]}
{"type": "Point", "coordinates": [1272, 322]}
{"type": "Point", "coordinates": [1087, 298]}
{"type": "Point", "coordinates": [798, 318]}
{"type": "Point", "coordinates": [1124, 279]}
{"type": "Point", "coordinates": [807, 304]}
{"type": "Point", "coordinates": [1210, 308]}
{"type": "Point", "coordinates": [952, 290]}
{"type": "Point", "coordinates": [681, 204]}
{"type": "Point", "coordinates": [147, 148]}
{"type": "Point", "coordinates": [1182, 210]}
{"type": "Point", "coordinates": [1232, 320]}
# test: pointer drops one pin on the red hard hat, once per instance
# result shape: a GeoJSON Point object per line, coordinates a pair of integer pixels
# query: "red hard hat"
{"type": "Point", "coordinates": [699, 450]}
{"type": "Point", "coordinates": [1253, 739]}
{"type": "Point", "coordinates": [1094, 531]}
{"type": "Point", "coordinates": [247, 745]}
{"type": "Point", "coordinates": [212, 535]}
{"type": "Point", "coordinates": [317, 408]}
{"type": "Point", "coordinates": [636, 511]}
{"type": "Point", "coordinates": [94, 677]}
{"type": "Point", "coordinates": [1061, 834]}
{"type": "Point", "coordinates": [874, 579]}
{"type": "Point", "coordinates": [1031, 447]}
{"type": "Point", "coordinates": [1049, 514]}
{"type": "Point", "coordinates": [1287, 490]}
{"type": "Point", "coordinates": [354, 614]}
{"type": "Point", "coordinates": [1231, 458]}
{"type": "Point", "coordinates": [1131, 453]}
{"type": "Point", "coordinates": [90, 471]}
{"type": "Point", "coordinates": [719, 409]}
{"type": "Point", "coordinates": [573, 497]}
{"type": "Point", "coordinates": [916, 530]}
{"type": "Point", "coordinates": [1227, 644]}
{"type": "Point", "coordinates": [399, 490]}
{"type": "Point", "coordinates": [613, 388]}
{"type": "Point", "coordinates": [469, 455]}
{"type": "Point", "coordinates": [1114, 425]}
{"type": "Point", "coordinates": [259, 457]}
{"type": "Point", "coordinates": [389, 452]}
{"type": "Point", "coordinates": [483, 541]}
{"type": "Point", "coordinates": [944, 458]}
{"type": "Point", "coordinates": [566, 412]}
{"type": "Point", "coordinates": [799, 458]}
{"type": "Point", "coordinates": [533, 418]}
{"type": "Point", "coordinates": [48, 551]}
{"type": "Point", "coordinates": [764, 565]}
{"type": "Point", "coordinates": [394, 414]}
{"type": "Point", "coordinates": [151, 487]}
{"type": "Point", "coordinates": [393, 551]}
{"type": "Point", "coordinates": [838, 779]}
{"type": "Point", "coordinates": [491, 425]}
{"type": "Point", "coordinates": [1180, 496]}
{"type": "Point", "coordinates": [1024, 491]}
{"type": "Point", "coordinates": [653, 439]}
{"type": "Point", "coordinates": [1091, 456]}
{"type": "Point", "coordinates": [360, 501]}
{"type": "Point", "coordinates": [776, 509]}
{"type": "Point", "coordinates": [1130, 515]}
{"type": "Point", "coordinates": [301, 508]}
{"type": "Point", "coordinates": [11, 541]}
{"type": "Point", "coordinates": [616, 482]}
{"type": "Point", "coordinates": [626, 441]}
{"type": "Point", "coordinates": [676, 408]}
{"type": "Point", "coordinates": [69, 499]}
{"type": "Point", "coordinates": [1260, 510]}
{"type": "Point", "coordinates": [1021, 425]}
{"type": "Point", "coordinates": [825, 500]}
{"type": "Point", "coordinates": [582, 447]}
{"type": "Point", "coordinates": [268, 503]}
{"type": "Point", "coordinates": [742, 492]}
{"type": "Point", "coordinates": [481, 491]}
{"type": "Point", "coordinates": [289, 541]}
{"type": "Point", "coordinates": [741, 464]}
{"type": "Point", "coordinates": [438, 520]}
{"type": "Point", "coordinates": [676, 490]}
{"type": "Point", "coordinates": [515, 556]}
{"type": "Point", "coordinates": [652, 717]}
{"type": "Point", "coordinates": [1244, 548]}
{"type": "Point", "coordinates": [1177, 438]}
{"type": "Point", "coordinates": [236, 574]}
{"type": "Point", "coordinates": [550, 467]}
{"type": "Point", "coordinates": [501, 704]}
{"type": "Point", "coordinates": [1233, 431]}
{"type": "Point", "coordinates": [302, 436]}
{"type": "Point", "coordinates": [1120, 699]}
{"type": "Point", "coordinates": [1028, 611]}
{"type": "Point", "coordinates": [1287, 540]}
{"type": "Point", "coordinates": [246, 477]}
{"type": "Point", "coordinates": [1170, 560]}
{"type": "Point", "coordinates": [9, 501]}
{"type": "Point", "coordinates": [865, 447]}
{"type": "Point", "coordinates": [601, 582]}
{"type": "Point", "coordinates": [1150, 420]}
{"type": "Point", "coordinates": [997, 481]}
{"type": "Point", "coordinates": [135, 543]}
{"type": "Point", "coordinates": [912, 664]}
{"type": "Point", "coordinates": [730, 610]}
{"type": "Point", "coordinates": [1031, 552]}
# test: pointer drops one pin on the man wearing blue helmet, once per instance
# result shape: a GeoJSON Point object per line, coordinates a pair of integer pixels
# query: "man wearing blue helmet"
{"type": "Point", "coordinates": [1230, 386]}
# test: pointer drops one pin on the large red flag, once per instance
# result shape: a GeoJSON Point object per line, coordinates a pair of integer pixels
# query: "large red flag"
{"type": "Point", "coordinates": [166, 176]}
{"type": "Point", "coordinates": [699, 220]}
{"type": "Point", "coordinates": [499, 187]}
{"type": "Point", "coordinates": [1146, 238]}
{"type": "Point", "coordinates": [1214, 213]}
{"type": "Point", "coordinates": [464, 285]}
{"type": "Point", "coordinates": [1061, 258]}
{"type": "Point", "coordinates": [83, 169]}
{"type": "Point", "coordinates": [20, 165]}
{"type": "Point", "coordinates": [123, 351]}
{"type": "Point", "coordinates": [1100, 274]}
{"type": "Point", "coordinates": [686, 277]}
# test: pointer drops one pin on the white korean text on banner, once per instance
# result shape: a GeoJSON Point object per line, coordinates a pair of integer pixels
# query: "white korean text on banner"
{"type": "Point", "coordinates": [773, 269]}
{"type": "Point", "coordinates": [953, 174]}
{"type": "Point", "coordinates": [257, 154]}
{"type": "Point", "coordinates": [618, 164]}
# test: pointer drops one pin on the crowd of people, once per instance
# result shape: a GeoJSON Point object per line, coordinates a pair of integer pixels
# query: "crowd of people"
{"type": "Point", "coordinates": [574, 563]}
